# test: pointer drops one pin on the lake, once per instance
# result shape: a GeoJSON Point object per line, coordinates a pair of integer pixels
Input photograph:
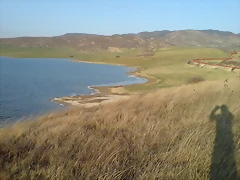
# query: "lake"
{"type": "Point", "coordinates": [27, 84]}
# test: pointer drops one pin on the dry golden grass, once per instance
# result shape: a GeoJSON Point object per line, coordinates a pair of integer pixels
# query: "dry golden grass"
{"type": "Point", "coordinates": [165, 134]}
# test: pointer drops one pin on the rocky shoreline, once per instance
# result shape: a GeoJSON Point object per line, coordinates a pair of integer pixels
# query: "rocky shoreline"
{"type": "Point", "coordinates": [89, 100]}
{"type": "Point", "coordinates": [103, 94]}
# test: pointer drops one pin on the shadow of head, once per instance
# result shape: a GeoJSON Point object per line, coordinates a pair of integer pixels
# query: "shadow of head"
{"type": "Point", "coordinates": [224, 115]}
{"type": "Point", "coordinates": [224, 108]}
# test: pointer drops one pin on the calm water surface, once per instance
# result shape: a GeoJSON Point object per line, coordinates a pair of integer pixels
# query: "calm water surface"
{"type": "Point", "coordinates": [26, 85]}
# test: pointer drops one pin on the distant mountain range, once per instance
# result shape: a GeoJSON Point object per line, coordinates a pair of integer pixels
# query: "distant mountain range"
{"type": "Point", "coordinates": [156, 39]}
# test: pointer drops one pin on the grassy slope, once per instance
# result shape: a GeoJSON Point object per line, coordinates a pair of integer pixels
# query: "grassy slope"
{"type": "Point", "coordinates": [167, 65]}
{"type": "Point", "coordinates": [166, 134]}
{"type": "Point", "coordinates": [172, 69]}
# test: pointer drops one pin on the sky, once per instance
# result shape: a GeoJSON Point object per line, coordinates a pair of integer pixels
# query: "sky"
{"type": "Point", "coordinates": [107, 17]}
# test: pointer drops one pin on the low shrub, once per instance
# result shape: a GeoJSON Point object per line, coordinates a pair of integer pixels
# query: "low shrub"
{"type": "Point", "coordinates": [195, 79]}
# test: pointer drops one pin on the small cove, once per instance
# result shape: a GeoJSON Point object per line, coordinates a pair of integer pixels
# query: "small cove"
{"type": "Point", "coordinates": [27, 84]}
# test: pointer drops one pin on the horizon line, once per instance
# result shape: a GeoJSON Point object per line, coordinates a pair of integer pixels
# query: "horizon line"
{"type": "Point", "coordinates": [120, 33]}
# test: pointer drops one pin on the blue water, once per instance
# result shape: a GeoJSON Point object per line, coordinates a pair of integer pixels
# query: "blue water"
{"type": "Point", "coordinates": [27, 84]}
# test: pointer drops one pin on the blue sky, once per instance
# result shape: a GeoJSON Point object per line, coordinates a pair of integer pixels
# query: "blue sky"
{"type": "Point", "coordinates": [107, 17]}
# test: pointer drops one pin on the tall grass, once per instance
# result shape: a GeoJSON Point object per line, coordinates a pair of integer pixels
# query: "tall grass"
{"type": "Point", "coordinates": [164, 134]}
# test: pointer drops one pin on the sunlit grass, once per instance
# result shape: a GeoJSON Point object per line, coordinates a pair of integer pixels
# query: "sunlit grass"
{"type": "Point", "coordinates": [165, 134]}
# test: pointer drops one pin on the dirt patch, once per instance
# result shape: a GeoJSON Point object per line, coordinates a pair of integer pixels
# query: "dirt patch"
{"type": "Point", "coordinates": [94, 101]}
{"type": "Point", "coordinates": [118, 90]}
{"type": "Point", "coordinates": [89, 102]}
{"type": "Point", "coordinates": [144, 55]}
{"type": "Point", "coordinates": [114, 49]}
{"type": "Point", "coordinates": [223, 65]}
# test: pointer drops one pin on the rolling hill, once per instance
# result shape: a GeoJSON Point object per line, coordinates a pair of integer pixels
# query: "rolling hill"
{"type": "Point", "coordinates": [157, 39]}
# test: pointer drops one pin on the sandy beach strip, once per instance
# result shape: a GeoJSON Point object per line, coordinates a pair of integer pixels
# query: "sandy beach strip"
{"type": "Point", "coordinates": [104, 94]}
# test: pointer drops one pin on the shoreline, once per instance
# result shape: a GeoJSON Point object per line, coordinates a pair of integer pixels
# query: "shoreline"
{"type": "Point", "coordinates": [104, 94]}
{"type": "Point", "coordinates": [136, 72]}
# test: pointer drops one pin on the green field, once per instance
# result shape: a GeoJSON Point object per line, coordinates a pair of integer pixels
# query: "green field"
{"type": "Point", "coordinates": [168, 65]}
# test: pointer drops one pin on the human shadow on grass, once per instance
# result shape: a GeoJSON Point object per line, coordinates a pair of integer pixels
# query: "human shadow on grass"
{"type": "Point", "coordinates": [223, 165]}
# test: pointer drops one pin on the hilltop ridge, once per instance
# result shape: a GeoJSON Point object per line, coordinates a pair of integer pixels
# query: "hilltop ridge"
{"type": "Point", "coordinates": [150, 40]}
